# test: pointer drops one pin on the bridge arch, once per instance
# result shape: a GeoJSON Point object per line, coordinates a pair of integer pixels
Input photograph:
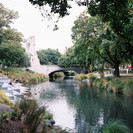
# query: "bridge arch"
{"type": "Point", "coordinates": [64, 71]}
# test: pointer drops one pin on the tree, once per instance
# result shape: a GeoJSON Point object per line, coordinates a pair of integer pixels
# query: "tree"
{"type": "Point", "coordinates": [10, 39]}
{"type": "Point", "coordinates": [50, 56]}
{"type": "Point", "coordinates": [6, 18]}
{"type": "Point", "coordinates": [42, 57]}
{"type": "Point", "coordinates": [68, 59]}
{"type": "Point", "coordinates": [99, 40]}
{"type": "Point", "coordinates": [24, 61]}
{"type": "Point", "coordinates": [10, 48]}
{"type": "Point", "coordinates": [11, 52]}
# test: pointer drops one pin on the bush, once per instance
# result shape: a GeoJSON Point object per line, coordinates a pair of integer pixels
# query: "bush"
{"type": "Point", "coordinates": [33, 113]}
{"type": "Point", "coordinates": [24, 76]}
{"type": "Point", "coordinates": [80, 76]}
{"type": "Point", "coordinates": [58, 74]}
{"type": "Point", "coordinates": [92, 79]}
{"type": "Point", "coordinates": [116, 126]}
{"type": "Point", "coordinates": [48, 116]}
{"type": "Point", "coordinates": [128, 90]}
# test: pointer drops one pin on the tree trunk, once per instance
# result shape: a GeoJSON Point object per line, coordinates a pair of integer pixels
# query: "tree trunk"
{"type": "Point", "coordinates": [87, 69]}
{"type": "Point", "coordinates": [132, 64]}
{"type": "Point", "coordinates": [116, 72]}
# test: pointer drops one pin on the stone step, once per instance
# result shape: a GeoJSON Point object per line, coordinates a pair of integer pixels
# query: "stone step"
{"type": "Point", "coordinates": [10, 96]}
{"type": "Point", "coordinates": [4, 88]}
{"type": "Point", "coordinates": [9, 91]}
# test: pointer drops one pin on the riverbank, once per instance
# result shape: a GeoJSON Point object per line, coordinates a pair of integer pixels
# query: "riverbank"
{"type": "Point", "coordinates": [14, 92]}
{"type": "Point", "coordinates": [121, 85]}
{"type": "Point", "coordinates": [24, 76]}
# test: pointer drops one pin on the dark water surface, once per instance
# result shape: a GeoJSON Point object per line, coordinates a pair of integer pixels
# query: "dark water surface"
{"type": "Point", "coordinates": [75, 105]}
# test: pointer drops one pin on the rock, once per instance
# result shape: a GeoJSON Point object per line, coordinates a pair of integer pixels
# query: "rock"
{"type": "Point", "coordinates": [52, 122]}
{"type": "Point", "coordinates": [48, 123]}
{"type": "Point", "coordinates": [56, 127]}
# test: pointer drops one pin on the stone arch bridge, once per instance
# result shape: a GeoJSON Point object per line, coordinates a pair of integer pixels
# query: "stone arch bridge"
{"type": "Point", "coordinates": [44, 69]}
{"type": "Point", "coordinates": [51, 69]}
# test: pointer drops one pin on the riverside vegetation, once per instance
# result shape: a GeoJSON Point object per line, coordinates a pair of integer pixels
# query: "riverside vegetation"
{"type": "Point", "coordinates": [26, 111]}
{"type": "Point", "coordinates": [33, 117]}
{"type": "Point", "coordinates": [111, 84]}
{"type": "Point", "coordinates": [26, 77]}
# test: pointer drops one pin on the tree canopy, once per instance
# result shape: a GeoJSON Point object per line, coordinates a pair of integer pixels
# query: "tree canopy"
{"type": "Point", "coordinates": [49, 56]}
{"type": "Point", "coordinates": [96, 43]}
{"type": "Point", "coordinates": [10, 39]}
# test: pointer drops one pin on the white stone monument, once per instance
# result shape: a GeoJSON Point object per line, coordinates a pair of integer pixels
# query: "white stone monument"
{"type": "Point", "coordinates": [31, 51]}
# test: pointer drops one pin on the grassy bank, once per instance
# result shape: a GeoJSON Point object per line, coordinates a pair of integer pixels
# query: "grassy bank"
{"type": "Point", "coordinates": [111, 84]}
{"type": "Point", "coordinates": [23, 76]}
{"type": "Point", "coordinates": [4, 99]}
{"type": "Point", "coordinates": [58, 74]}
{"type": "Point", "coordinates": [85, 76]}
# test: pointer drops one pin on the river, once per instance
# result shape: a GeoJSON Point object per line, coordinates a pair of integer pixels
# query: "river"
{"type": "Point", "coordinates": [77, 106]}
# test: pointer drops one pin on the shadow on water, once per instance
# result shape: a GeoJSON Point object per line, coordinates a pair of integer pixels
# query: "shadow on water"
{"type": "Point", "coordinates": [77, 106]}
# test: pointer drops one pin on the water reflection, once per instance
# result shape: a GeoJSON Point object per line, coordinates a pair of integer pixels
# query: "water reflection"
{"type": "Point", "coordinates": [75, 105]}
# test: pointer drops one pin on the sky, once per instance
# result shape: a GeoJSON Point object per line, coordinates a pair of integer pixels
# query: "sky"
{"type": "Point", "coordinates": [30, 24]}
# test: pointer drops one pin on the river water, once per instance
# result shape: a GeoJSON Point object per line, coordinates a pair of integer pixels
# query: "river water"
{"type": "Point", "coordinates": [77, 106]}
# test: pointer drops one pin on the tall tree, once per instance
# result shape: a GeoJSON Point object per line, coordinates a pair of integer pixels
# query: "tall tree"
{"type": "Point", "coordinates": [10, 39]}
{"type": "Point", "coordinates": [100, 41]}
{"type": "Point", "coordinates": [51, 56]}
{"type": "Point", "coordinates": [42, 57]}
{"type": "Point", "coordinates": [6, 18]}
{"type": "Point", "coordinates": [68, 59]}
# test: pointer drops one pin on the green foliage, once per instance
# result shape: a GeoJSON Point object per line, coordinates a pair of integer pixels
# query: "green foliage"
{"type": "Point", "coordinates": [24, 76]}
{"type": "Point", "coordinates": [7, 16]}
{"type": "Point", "coordinates": [10, 39]}
{"type": "Point", "coordinates": [24, 61]}
{"type": "Point", "coordinates": [42, 57]}
{"type": "Point", "coordinates": [5, 99]}
{"type": "Point", "coordinates": [58, 74]}
{"type": "Point", "coordinates": [3, 118]}
{"type": "Point", "coordinates": [63, 131]}
{"type": "Point", "coordinates": [80, 76]}
{"type": "Point", "coordinates": [92, 79]}
{"type": "Point", "coordinates": [33, 113]}
{"type": "Point", "coordinates": [13, 115]}
{"type": "Point", "coordinates": [49, 56]}
{"type": "Point", "coordinates": [68, 59]}
{"type": "Point", "coordinates": [48, 116]}
{"type": "Point", "coordinates": [128, 90]}
{"type": "Point", "coordinates": [116, 126]}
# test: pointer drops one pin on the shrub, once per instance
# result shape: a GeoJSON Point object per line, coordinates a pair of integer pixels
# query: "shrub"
{"type": "Point", "coordinates": [80, 76]}
{"type": "Point", "coordinates": [96, 81]}
{"type": "Point", "coordinates": [116, 126]}
{"type": "Point", "coordinates": [3, 118]}
{"type": "Point", "coordinates": [92, 79]}
{"type": "Point", "coordinates": [48, 116]}
{"type": "Point", "coordinates": [128, 90]}
{"type": "Point", "coordinates": [100, 84]}
{"type": "Point", "coordinates": [24, 76]}
{"type": "Point", "coordinates": [33, 113]}
{"type": "Point", "coordinates": [58, 74]}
